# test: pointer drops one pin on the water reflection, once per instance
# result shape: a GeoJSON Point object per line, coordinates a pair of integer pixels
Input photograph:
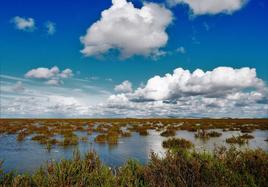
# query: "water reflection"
{"type": "Point", "coordinates": [29, 155]}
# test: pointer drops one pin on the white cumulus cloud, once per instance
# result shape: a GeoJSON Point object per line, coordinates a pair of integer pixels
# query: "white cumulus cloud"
{"type": "Point", "coordinates": [220, 81]}
{"type": "Point", "coordinates": [130, 30]}
{"type": "Point", "coordinates": [201, 7]}
{"type": "Point", "coordinates": [43, 73]}
{"type": "Point", "coordinates": [124, 87]}
{"type": "Point", "coordinates": [53, 75]}
{"type": "Point", "coordinates": [222, 92]}
{"type": "Point", "coordinates": [25, 24]}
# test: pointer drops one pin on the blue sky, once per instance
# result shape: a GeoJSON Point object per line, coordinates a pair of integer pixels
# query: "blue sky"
{"type": "Point", "coordinates": [196, 39]}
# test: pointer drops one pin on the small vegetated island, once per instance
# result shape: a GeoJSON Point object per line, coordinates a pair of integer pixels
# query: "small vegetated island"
{"type": "Point", "coordinates": [182, 164]}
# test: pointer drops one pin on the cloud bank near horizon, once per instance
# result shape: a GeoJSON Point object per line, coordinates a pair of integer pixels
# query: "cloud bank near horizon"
{"type": "Point", "coordinates": [221, 92]}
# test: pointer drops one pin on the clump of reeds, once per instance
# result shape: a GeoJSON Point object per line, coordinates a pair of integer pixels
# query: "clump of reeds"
{"type": "Point", "coordinates": [101, 138]}
{"type": "Point", "coordinates": [84, 138]}
{"type": "Point", "coordinates": [202, 133]}
{"type": "Point", "coordinates": [21, 135]}
{"type": "Point", "coordinates": [189, 128]}
{"type": "Point", "coordinates": [100, 129]}
{"type": "Point", "coordinates": [168, 133]}
{"type": "Point", "coordinates": [70, 139]}
{"type": "Point", "coordinates": [214, 134]}
{"type": "Point", "coordinates": [177, 143]}
{"type": "Point", "coordinates": [42, 139]}
{"type": "Point", "coordinates": [112, 139]}
{"type": "Point", "coordinates": [126, 134]}
{"type": "Point", "coordinates": [13, 129]}
{"type": "Point", "coordinates": [143, 132]}
{"type": "Point", "coordinates": [52, 141]}
{"type": "Point", "coordinates": [233, 129]}
{"type": "Point", "coordinates": [247, 136]}
{"type": "Point", "coordinates": [237, 140]}
{"type": "Point", "coordinates": [248, 129]}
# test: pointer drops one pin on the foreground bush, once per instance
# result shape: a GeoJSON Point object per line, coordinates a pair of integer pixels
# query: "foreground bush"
{"type": "Point", "coordinates": [223, 167]}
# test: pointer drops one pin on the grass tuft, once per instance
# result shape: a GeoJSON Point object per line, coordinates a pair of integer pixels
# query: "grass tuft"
{"type": "Point", "coordinates": [237, 140]}
{"type": "Point", "coordinates": [168, 133]}
{"type": "Point", "coordinates": [177, 143]}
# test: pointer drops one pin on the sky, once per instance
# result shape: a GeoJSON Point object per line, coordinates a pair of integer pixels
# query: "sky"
{"type": "Point", "coordinates": [119, 58]}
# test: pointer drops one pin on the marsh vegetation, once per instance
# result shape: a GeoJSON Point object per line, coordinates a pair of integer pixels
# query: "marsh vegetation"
{"type": "Point", "coordinates": [223, 167]}
{"type": "Point", "coordinates": [116, 140]}
{"type": "Point", "coordinates": [44, 131]}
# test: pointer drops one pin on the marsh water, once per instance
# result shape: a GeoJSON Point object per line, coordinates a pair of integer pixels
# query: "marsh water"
{"type": "Point", "coordinates": [28, 155]}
